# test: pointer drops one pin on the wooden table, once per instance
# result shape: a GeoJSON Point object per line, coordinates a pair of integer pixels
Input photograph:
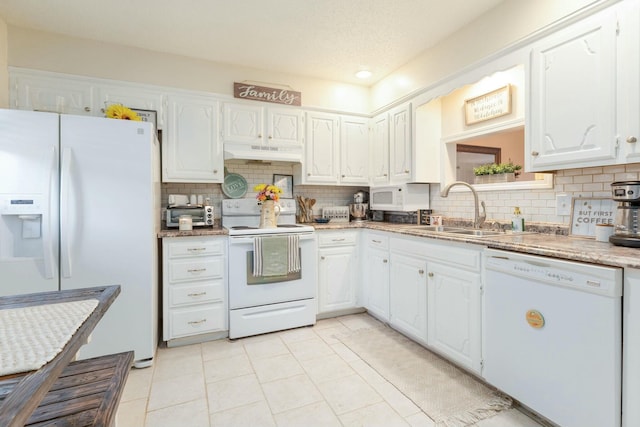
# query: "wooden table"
{"type": "Point", "coordinates": [70, 393]}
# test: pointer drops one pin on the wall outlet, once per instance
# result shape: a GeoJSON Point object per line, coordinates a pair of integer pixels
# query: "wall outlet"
{"type": "Point", "coordinates": [563, 204]}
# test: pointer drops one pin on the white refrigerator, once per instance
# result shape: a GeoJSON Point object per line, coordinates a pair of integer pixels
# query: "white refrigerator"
{"type": "Point", "coordinates": [80, 207]}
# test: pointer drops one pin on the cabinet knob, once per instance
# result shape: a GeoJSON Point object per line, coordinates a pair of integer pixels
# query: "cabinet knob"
{"type": "Point", "coordinates": [430, 274]}
{"type": "Point", "coordinates": [322, 257]}
{"type": "Point", "coordinates": [87, 109]}
{"type": "Point", "coordinates": [632, 139]}
{"type": "Point", "coordinates": [343, 176]}
{"type": "Point", "coordinates": [385, 174]}
{"type": "Point", "coordinates": [308, 173]}
{"type": "Point", "coordinates": [421, 271]}
{"type": "Point", "coordinates": [406, 171]}
{"type": "Point", "coordinates": [385, 261]}
{"type": "Point", "coordinates": [259, 135]}
{"type": "Point", "coordinates": [535, 153]}
{"type": "Point", "coordinates": [270, 137]}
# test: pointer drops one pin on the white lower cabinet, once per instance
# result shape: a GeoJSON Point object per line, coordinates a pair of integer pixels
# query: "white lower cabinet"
{"type": "Point", "coordinates": [434, 295]}
{"type": "Point", "coordinates": [375, 274]}
{"type": "Point", "coordinates": [193, 286]}
{"type": "Point", "coordinates": [408, 295]}
{"type": "Point", "coordinates": [337, 270]}
{"type": "Point", "coordinates": [454, 314]}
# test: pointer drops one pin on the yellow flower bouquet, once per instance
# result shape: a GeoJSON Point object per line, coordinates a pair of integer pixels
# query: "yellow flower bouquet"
{"type": "Point", "coordinates": [267, 192]}
{"type": "Point", "coordinates": [118, 111]}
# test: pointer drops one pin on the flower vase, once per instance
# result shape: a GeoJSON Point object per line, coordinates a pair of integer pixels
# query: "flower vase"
{"type": "Point", "coordinates": [269, 213]}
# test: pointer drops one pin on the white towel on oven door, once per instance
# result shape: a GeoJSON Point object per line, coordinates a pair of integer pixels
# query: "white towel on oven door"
{"type": "Point", "coordinates": [294, 253]}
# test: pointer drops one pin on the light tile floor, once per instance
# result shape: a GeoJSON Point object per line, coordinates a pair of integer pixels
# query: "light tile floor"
{"type": "Point", "coordinates": [300, 377]}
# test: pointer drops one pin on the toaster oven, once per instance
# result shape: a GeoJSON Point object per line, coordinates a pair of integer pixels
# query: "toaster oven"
{"type": "Point", "coordinates": [201, 216]}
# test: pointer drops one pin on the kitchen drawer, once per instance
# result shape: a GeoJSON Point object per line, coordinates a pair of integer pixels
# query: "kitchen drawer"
{"type": "Point", "coordinates": [196, 293]}
{"type": "Point", "coordinates": [348, 238]}
{"type": "Point", "coordinates": [184, 246]}
{"type": "Point", "coordinates": [378, 241]}
{"type": "Point", "coordinates": [197, 320]}
{"type": "Point", "coordinates": [196, 269]}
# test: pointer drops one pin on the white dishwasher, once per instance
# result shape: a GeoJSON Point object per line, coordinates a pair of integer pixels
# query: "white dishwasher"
{"type": "Point", "coordinates": [552, 336]}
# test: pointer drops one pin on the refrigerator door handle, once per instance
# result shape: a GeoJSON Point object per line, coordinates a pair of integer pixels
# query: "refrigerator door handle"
{"type": "Point", "coordinates": [47, 246]}
{"type": "Point", "coordinates": [65, 230]}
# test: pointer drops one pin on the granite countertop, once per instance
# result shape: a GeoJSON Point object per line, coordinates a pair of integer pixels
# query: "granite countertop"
{"type": "Point", "coordinates": [544, 244]}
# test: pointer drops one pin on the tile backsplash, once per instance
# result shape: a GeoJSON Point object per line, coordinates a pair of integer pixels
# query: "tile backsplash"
{"type": "Point", "coordinates": [257, 173]}
{"type": "Point", "coordinates": [538, 206]}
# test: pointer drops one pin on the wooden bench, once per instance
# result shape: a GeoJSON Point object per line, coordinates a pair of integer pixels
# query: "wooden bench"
{"type": "Point", "coordinates": [87, 393]}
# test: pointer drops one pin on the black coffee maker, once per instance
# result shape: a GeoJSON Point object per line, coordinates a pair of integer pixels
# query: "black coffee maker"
{"type": "Point", "coordinates": [627, 231]}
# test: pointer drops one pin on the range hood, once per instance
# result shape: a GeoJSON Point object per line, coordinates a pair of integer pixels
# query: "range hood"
{"type": "Point", "coordinates": [292, 154]}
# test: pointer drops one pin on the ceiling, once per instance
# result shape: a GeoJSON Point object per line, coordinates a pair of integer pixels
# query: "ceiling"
{"type": "Point", "coordinates": [327, 39]}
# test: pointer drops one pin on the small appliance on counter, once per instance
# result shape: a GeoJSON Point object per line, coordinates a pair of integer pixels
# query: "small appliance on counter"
{"type": "Point", "coordinates": [181, 205]}
{"type": "Point", "coordinates": [360, 206]}
{"type": "Point", "coordinates": [626, 232]}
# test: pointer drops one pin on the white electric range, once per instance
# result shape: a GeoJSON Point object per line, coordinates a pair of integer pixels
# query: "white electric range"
{"type": "Point", "coordinates": [261, 304]}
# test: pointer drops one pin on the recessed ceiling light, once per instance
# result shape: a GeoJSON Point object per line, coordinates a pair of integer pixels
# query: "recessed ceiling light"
{"type": "Point", "coordinates": [363, 74]}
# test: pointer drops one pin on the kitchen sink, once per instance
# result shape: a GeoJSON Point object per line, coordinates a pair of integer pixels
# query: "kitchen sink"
{"type": "Point", "coordinates": [478, 233]}
{"type": "Point", "coordinates": [442, 228]}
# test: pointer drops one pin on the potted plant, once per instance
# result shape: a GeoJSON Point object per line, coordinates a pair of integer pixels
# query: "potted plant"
{"type": "Point", "coordinates": [494, 172]}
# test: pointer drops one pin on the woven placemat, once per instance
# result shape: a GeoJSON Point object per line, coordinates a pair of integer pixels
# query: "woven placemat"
{"type": "Point", "coordinates": [32, 336]}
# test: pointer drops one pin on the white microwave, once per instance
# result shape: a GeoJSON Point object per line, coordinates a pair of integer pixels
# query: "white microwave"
{"type": "Point", "coordinates": [401, 197]}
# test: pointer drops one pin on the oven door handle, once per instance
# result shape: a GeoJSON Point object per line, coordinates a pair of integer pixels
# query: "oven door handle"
{"type": "Point", "coordinates": [237, 240]}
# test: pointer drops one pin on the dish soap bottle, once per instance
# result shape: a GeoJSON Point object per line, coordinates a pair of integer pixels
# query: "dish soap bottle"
{"type": "Point", "coordinates": [517, 222]}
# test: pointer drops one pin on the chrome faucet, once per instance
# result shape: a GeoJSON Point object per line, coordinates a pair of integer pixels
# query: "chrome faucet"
{"type": "Point", "coordinates": [478, 218]}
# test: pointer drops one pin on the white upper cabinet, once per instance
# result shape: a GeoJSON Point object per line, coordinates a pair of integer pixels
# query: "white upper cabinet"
{"type": "Point", "coordinates": [192, 150]}
{"type": "Point", "coordinates": [52, 93]}
{"type": "Point", "coordinates": [629, 88]}
{"type": "Point", "coordinates": [572, 109]}
{"type": "Point", "coordinates": [336, 150]}
{"type": "Point", "coordinates": [354, 150]}
{"type": "Point", "coordinates": [379, 170]}
{"type": "Point", "coordinates": [400, 141]}
{"type": "Point", "coordinates": [321, 159]}
{"type": "Point", "coordinates": [132, 97]}
{"type": "Point", "coordinates": [257, 124]}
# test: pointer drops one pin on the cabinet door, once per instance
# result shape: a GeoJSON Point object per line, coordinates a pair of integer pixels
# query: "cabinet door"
{"type": "Point", "coordinates": [629, 87]}
{"type": "Point", "coordinates": [408, 296]}
{"type": "Point", "coordinates": [377, 283]}
{"type": "Point", "coordinates": [284, 127]}
{"type": "Point", "coordinates": [132, 97]}
{"type": "Point", "coordinates": [400, 143]}
{"type": "Point", "coordinates": [572, 115]}
{"type": "Point", "coordinates": [454, 314]}
{"type": "Point", "coordinates": [243, 123]}
{"type": "Point", "coordinates": [192, 151]}
{"type": "Point", "coordinates": [379, 170]}
{"type": "Point", "coordinates": [354, 149]}
{"type": "Point", "coordinates": [54, 94]}
{"type": "Point", "coordinates": [337, 278]}
{"type": "Point", "coordinates": [321, 155]}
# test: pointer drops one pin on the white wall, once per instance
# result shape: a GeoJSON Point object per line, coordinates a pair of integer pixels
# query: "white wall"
{"type": "Point", "coordinates": [500, 27]}
{"type": "Point", "coordinates": [4, 74]}
{"type": "Point", "coordinates": [53, 52]}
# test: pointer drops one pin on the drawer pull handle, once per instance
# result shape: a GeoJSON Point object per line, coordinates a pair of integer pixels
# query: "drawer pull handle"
{"type": "Point", "coordinates": [197, 322]}
{"type": "Point", "coordinates": [196, 249]}
{"type": "Point", "coordinates": [196, 270]}
{"type": "Point", "coordinates": [197, 294]}
{"type": "Point", "coordinates": [377, 241]}
{"type": "Point", "coordinates": [338, 240]}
